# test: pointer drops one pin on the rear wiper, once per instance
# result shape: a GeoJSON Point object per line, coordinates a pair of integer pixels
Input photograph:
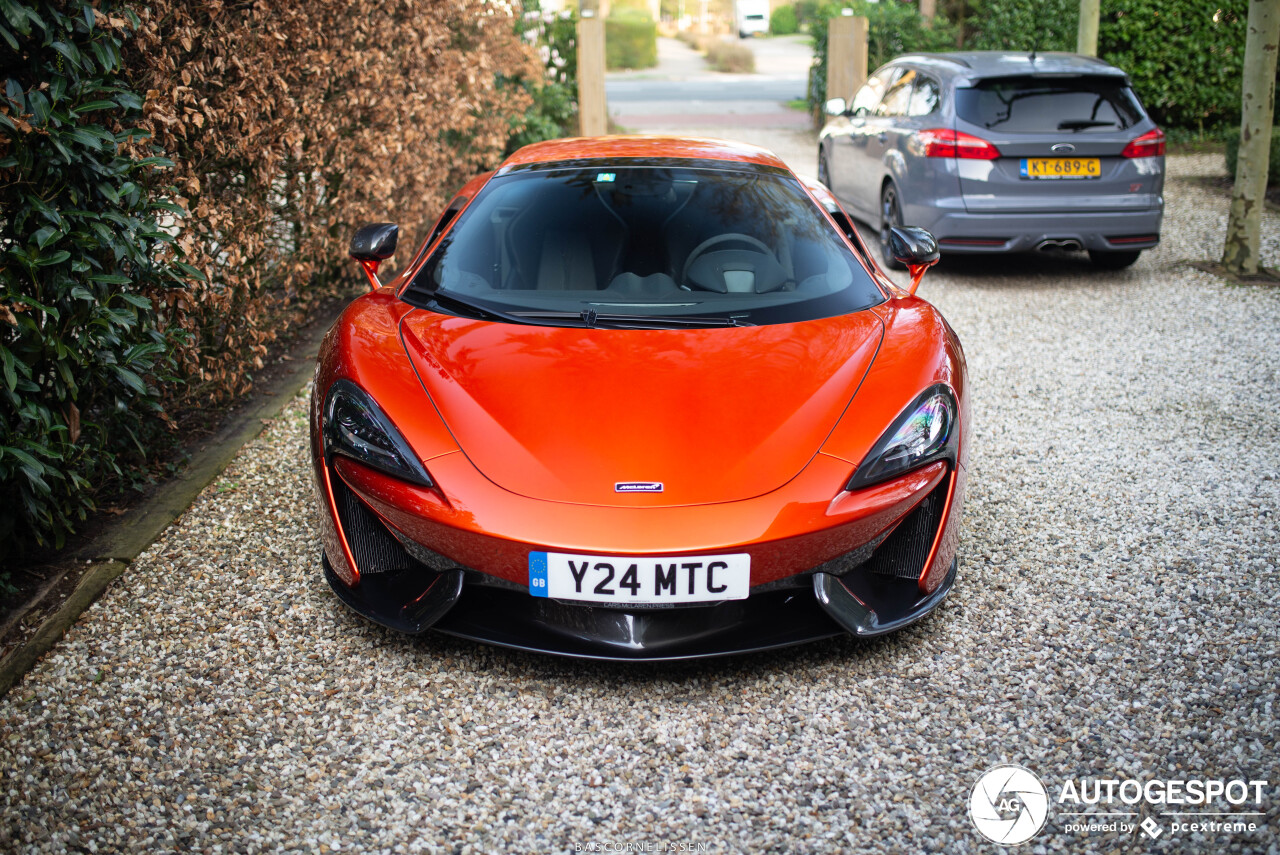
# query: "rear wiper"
{"type": "Point", "coordinates": [459, 305]}
{"type": "Point", "coordinates": [592, 318]}
{"type": "Point", "coordinates": [1081, 124]}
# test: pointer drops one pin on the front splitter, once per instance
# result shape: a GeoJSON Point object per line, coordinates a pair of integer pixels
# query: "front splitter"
{"type": "Point", "coordinates": [764, 621]}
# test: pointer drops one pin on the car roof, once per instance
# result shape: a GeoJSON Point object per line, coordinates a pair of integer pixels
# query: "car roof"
{"type": "Point", "coordinates": [980, 64]}
{"type": "Point", "coordinates": [641, 146]}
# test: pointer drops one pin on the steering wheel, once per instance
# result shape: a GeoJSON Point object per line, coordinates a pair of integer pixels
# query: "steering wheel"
{"type": "Point", "coordinates": [718, 239]}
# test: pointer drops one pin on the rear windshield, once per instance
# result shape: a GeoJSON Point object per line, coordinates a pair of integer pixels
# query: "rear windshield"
{"type": "Point", "coordinates": [745, 247]}
{"type": "Point", "coordinates": [1028, 105]}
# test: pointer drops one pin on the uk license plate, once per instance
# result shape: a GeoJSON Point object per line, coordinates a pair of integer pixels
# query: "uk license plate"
{"type": "Point", "coordinates": [653, 579]}
{"type": "Point", "coordinates": [1061, 167]}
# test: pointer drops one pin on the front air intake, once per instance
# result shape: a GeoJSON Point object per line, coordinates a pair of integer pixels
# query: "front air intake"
{"type": "Point", "coordinates": [904, 552]}
{"type": "Point", "coordinates": [372, 546]}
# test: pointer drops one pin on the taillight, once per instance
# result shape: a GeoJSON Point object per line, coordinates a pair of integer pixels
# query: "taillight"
{"type": "Point", "coordinates": [944, 142]}
{"type": "Point", "coordinates": [1149, 144]}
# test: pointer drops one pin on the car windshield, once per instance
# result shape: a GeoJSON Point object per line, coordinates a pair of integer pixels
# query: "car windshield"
{"type": "Point", "coordinates": [1029, 105]}
{"type": "Point", "coordinates": [649, 245]}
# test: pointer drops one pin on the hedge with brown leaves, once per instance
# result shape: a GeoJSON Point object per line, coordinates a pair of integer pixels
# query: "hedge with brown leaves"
{"type": "Point", "coordinates": [178, 183]}
{"type": "Point", "coordinates": [293, 124]}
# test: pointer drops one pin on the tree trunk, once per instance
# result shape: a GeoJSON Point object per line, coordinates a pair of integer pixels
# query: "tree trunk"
{"type": "Point", "coordinates": [1087, 33]}
{"type": "Point", "coordinates": [1258, 97]}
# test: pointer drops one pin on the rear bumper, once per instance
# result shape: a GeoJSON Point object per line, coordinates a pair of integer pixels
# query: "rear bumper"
{"type": "Point", "coordinates": [963, 232]}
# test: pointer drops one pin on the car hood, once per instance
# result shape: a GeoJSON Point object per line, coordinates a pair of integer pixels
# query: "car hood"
{"type": "Point", "coordinates": [713, 415]}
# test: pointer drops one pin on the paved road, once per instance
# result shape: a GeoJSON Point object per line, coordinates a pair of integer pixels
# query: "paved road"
{"type": "Point", "coordinates": [682, 89]}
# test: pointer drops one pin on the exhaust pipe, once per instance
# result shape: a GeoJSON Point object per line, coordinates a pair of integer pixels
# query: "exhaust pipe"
{"type": "Point", "coordinates": [1059, 243]}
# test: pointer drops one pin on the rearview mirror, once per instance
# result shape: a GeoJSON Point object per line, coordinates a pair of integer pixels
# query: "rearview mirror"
{"type": "Point", "coordinates": [915, 248]}
{"type": "Point", "coordinates": [373, 244]}
{"type": "Point", "coordinates": [835, 107]}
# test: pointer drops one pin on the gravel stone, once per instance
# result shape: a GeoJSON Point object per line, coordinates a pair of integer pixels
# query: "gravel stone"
{"type": "Point", "coordinates": [1115, 616]}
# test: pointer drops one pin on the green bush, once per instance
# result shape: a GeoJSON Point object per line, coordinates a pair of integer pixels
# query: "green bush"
{"type": "Point", "coordinates": [83, 351]}
{"type": "Point", "coordinates": [1184, 57]}
{"type": "Point", "coordinates": [1273, 166]}
{"type": "Point", "coordinates": [554, 110]}
{"type": "Point", "coordinates": [783, 21]}
{"type": "Point", "coordinates": [630, 40]}
{"type": "Point", "coordinates": [893, 28]}
{"type": "Point", "coordinates": [806, 13]}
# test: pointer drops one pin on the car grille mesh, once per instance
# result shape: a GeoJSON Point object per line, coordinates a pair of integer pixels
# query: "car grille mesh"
{"type": "Point", "coordinates": [372, 546]}
{"type": "Point", "coordinates": [904, 553]}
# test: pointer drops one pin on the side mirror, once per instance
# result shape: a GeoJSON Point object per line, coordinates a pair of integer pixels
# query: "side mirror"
{"type": "Point", "coordinates": [836, 107]}
{"type": "Point", "coordinates": [373, 244]}
{"type": "Point", "coordinates": [915, 248]}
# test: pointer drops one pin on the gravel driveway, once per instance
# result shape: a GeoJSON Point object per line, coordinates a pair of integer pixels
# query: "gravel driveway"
{"type": "Point", "coordinates": [1115, 617]}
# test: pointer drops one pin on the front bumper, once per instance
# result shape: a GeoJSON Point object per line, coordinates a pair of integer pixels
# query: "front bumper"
{"type": "Point", "coordinates": [831, 606]}
{"type": "Point", "coordinates": [875, 588]}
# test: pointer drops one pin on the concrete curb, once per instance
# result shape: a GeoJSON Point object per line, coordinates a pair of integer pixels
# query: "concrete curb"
{"type": "Point", "coordinates": [110, 554]}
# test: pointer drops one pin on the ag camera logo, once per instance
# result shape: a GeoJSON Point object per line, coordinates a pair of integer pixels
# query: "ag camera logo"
{"type": "Point", "coordinates": [1009, 804]}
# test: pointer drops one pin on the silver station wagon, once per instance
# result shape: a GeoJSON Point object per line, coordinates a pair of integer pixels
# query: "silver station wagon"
{"type": "Point", "coordinates": [1000, 152]}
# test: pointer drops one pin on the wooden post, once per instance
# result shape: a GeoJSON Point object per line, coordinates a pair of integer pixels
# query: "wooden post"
{"type": "Point", "coordinates": [1258, 96]}
{"type": "Point", "coordinates": [928, 8]}
{"type": "Point", "coordinates": [846, 56]}
{"type": "Point", "coordinates": [593, 110]}
{"type": "Point", "coordinates": [1087, 32]}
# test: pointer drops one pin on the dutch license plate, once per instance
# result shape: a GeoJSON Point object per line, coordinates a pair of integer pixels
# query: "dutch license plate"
{"type": "Point", "coordinates": [1061, 167]}
{"type": "Point", "coordinates": [652, 579]}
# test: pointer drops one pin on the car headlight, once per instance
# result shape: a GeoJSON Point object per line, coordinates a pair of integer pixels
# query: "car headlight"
{"type": "Point", "coordinates": [925, 432]}
{"type": "Point", "coordinates": [356, 427]}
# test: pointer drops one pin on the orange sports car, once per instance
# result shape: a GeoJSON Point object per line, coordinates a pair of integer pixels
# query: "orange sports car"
{"type": "Point", "coordinates": [641, 398]}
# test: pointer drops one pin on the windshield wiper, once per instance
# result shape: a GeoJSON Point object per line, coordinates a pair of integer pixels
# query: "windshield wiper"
{"type": "Point", "coordinates": [461, 306]}
{"type": "Point", "coordinates": [1081, 124]}
{"type": "Point", "coordinates": [592, 318]}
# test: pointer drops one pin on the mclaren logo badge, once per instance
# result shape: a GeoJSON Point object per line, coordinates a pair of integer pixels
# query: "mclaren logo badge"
{"type": "Point", "coordinates": [638, 487]}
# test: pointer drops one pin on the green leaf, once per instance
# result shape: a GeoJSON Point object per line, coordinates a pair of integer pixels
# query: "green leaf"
{"type": "Point", "coordinates": [27, 461]}
{"type": "Point", "coordinates": [135, 300]}
{"type": "Point", "coordinates": [71, 53]}
{"type": "Point", "coordinates": [189, 271]}
{"type": "Point", "coordinates": [133, 381]}
{"type": "Point", "coordinates": [91, 106]}
{"type": "Point", "coordinates": [111, 278]}
{"type": "Point", "coordinates": [110, 192]}
{"type": "Point", "coordinates": [129, 100]}
{"type": "Point", "coordinates": [50, 260]}
{"type": "Point", "coordinates": [44, 209]}
{"type": "Point", "coordinates": [10, 372]}
{"type": "Point", "coordinates": [170, 207]}
{"type": "Point", "coordinates": [45, 236]}
{"type": "Point", "coordinates": [82, 293]}
{"type": "Point", "coordinates": [142, 351]}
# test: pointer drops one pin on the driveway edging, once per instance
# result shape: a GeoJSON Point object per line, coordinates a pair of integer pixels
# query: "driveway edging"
{"type": "Point", "coordinates": [110, 554]}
